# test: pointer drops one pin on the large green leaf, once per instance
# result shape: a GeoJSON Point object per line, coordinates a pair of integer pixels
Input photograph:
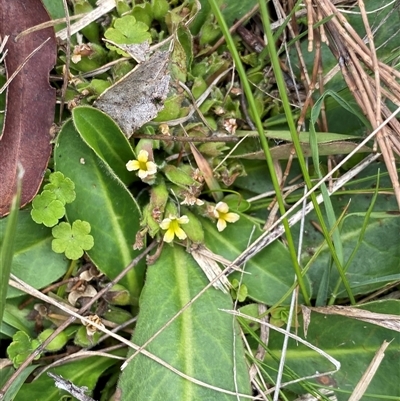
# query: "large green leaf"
{"type": "Point", "coordinates": [15, 319]}
{"type": "Point", "coordinates": [199, 343]}
{"type": "Point", "coordinates": [105, 138]}
{"type": "Point", "coordinates": [353, 343]}
{"type": "Point", "coordinates": [269, 274]}
{"type": "Point", "coordinates": [231, 10]}
{"type": "Point", "coordinates": [6, 373]}
{"type": "Point", "coordinates": [104, 202]}
{"type": "Point", "coordinates": [84, 372]}
{"type": "Point", "coordinates": [376, 262]}
{"type": "Point", "coordinates": [33, 254]}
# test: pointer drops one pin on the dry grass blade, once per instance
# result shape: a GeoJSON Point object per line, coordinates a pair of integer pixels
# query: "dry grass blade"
{"type": "Point", "coordinates": [357, 61]}
{"type": "Point", "coordinates": [19, 284]}
{"type": "Point", "coordinates": [391, 322]}
{"type": "Point", "coordinates": [369, 373]}
{"type": "Point", "coordinates": [104, 6]}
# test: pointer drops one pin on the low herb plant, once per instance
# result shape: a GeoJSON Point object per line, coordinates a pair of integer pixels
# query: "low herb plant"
{"type": "Point", "coordinates": [185, 197]}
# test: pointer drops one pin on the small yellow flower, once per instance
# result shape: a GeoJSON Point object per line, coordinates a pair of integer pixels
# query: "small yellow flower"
{"type": "Point", "coordinates": [172, 225]}
{"type": "Point", "coordinates": [142, 164]}
{"type": "Point", "coordinates": [221, 212]}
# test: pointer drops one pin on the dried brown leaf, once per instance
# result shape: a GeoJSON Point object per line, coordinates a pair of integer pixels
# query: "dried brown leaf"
{"type": "Point", "coordinates": [30, 100]}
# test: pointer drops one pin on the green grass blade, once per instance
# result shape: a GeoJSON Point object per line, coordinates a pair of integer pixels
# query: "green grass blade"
{"type": "Point", "coordinates": [359, 242]}
{"type": "Point", "coordinates": [7, 247]}
{"type": "Point", "coordinates": [290, 120]}
{"type": "Point", "coordinates": [263, 140]}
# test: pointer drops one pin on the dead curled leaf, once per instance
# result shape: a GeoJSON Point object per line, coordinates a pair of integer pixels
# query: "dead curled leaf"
{"type": "Point", "coordinates": [30, 100]}
{"type": "Point", "coordinates": [139, 96]}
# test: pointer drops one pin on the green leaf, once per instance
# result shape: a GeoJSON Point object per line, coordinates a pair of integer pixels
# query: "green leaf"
{"type": "Point", "coordinates": [17, 383]}
{"type": "Point", "coordinates": [270, 272]}
{"type": "Point", "coordinates": [21, 347]}
{"type": "Point", "coordinates": [103, 201]}
{"type": "Point", "coordinates": [231, 10]}
{"type": "Point", "coordinates": [33, 254]}
{"type": "Point", "coordinates": [57, 343]}
{"type": "Point", "coordinates": [352, 342]}
{"type": "Point", "coordinates": [377, 260]}
{"type": "Point", "coordinates": [7, 245]}
{"type": "Point", "coordinates": [127, 31]}
{"type": "Point", "coordinates": [178, 176]}
{"type": "Point", "coordinates": [190, 343]}
{"type": "Point", "coordinates": [105, 138]}
{"type": "Point", "coordinates": [84, 372]}
{"type": "Point", "coordinates": [62, 187]}
{"type": "Point", "coordinates": [47, 209]}
{"type": "Point", "coordinates": [159, 8]}
{"type": "Point", "coordinates": [193, 228]}
{"type": "Point", "coordinates": [15, 318]}
{"type": "Point", "coordinates": [72, 240]}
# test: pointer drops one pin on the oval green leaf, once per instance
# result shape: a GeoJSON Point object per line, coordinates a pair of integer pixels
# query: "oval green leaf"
{"type": "Point", "coordinates": [353, 343]}
{"type": "Point", "coordinates": [269, 274]}
{"type": "Point", "coordinates": [33, 260]}
{"type": "Point", "coordinates": [105, 138]}
{"type": "Point", "coordinates": [198, 343]}
{"type": "Point", "coordinates": [104, 202]}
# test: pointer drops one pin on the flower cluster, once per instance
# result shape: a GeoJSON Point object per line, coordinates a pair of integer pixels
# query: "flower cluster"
{"type": "Point", "coordinates": [172, 224]}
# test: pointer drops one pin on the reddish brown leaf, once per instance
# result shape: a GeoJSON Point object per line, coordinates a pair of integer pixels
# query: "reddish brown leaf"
{"type": "Point", "coordinates": [30, 100]}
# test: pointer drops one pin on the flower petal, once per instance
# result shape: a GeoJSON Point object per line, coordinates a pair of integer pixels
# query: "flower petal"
{"type": "Point", "coordinates": [169, 236]}
{"type": "Point", "coordinates": [151, 168]}
{"type": "Point", "coordinates": [143, 156]}
{"type": "Point", "coordinates": [143, 174]}
{"type": "Point", "coordinates": [222, 207]}
{"type": "Point", "coordinates": [132, 165]}
{"type": "Point", "coordinates": [183, 219]}
{"type": "Point", "coordinates": [180, 233]}
{"type": "Point", "coordinates": [165, 224]}
{"type": "Point", "coordinates": [231, 217]}
{"type": "Point", "coordinates": [221, 225]}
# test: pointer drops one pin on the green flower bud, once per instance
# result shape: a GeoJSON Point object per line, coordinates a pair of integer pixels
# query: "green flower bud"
{"type": "Point", "coordinates": [82, 339]}
{"type": "Point", "coordinates": [238, 291]}
{"type": "Point", "coordinates": [193, 228]}
{"type": "Point", "coordinates": [178, 176]}
{"type": "Point", "coordinates": [209, 32]}
{"type": "Point", "coordinates": [57, 343]}
{"type": "Point", "coordinates": [118, 295]}
{"type": "Point", "coordinates": [116, 315]}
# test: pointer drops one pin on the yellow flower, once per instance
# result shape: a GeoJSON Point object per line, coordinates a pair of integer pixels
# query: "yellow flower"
{"type": "Point", "coordinates": [221, 212]}
{"type": "Point", "coordinates": [142, 164]}
{"type": "Point", "coordinates": [172, 225]}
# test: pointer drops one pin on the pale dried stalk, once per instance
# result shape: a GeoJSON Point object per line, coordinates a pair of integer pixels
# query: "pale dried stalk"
{"type": "Point", "coordinates": [349, 48]}
{"type": "Point", "coordinates": [369, 373]}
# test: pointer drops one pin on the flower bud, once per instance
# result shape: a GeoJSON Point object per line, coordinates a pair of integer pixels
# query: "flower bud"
{"type": "Point", "coordinates": [57, 343]}
{"type": "Point", "coordinates": [118, 295]}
